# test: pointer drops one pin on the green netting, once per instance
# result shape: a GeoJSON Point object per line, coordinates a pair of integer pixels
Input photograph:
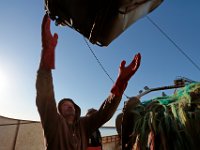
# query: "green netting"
{"type": "Point", "coordinates": [169, 122]}
{"type": "Point", "coordinates": [183, 93]}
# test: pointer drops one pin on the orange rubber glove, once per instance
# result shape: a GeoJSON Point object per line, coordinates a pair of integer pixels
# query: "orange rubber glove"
{"type": "Point", "coordinates": [125, 73]}
{"type": "Point", "coordinates": [49, 43]}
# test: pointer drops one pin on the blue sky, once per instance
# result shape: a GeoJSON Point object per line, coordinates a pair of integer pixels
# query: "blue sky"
{"type": "Point", "coordinates": [77, 74]}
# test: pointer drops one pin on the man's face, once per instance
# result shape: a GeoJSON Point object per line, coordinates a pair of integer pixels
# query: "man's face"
{"type": "Point", "coordinates": [67, 109]}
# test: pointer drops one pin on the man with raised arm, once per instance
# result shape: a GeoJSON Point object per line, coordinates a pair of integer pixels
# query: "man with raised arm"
{"type": "Point", "coordinates": [64, 128]}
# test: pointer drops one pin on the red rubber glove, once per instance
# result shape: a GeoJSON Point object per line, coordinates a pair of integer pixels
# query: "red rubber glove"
{"type": "Point", "coordinates": [125, 73]}
{"type": "Point", "coordinates": [49, 43]}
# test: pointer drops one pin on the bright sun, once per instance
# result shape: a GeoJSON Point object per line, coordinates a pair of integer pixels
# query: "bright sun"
{"type": "Point", "coordinates": [3, 81]}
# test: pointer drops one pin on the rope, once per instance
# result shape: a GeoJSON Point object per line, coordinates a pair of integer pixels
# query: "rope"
{"type": "Point", "coordinates": [20, 123]}
{"type": "Point", "coordinates": [100, 64]}
{"type": "Point", "coordinates": [178, 47]}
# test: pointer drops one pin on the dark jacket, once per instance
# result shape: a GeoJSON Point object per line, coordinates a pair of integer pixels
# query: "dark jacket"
{"type": "Point", "coordinates": [95, 139]}
{"type": "Point", "coordinates": [59, 135]}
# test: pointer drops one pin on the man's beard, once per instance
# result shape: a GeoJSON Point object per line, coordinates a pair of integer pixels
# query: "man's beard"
{"type": "Point", "coordinates": [69, 113]}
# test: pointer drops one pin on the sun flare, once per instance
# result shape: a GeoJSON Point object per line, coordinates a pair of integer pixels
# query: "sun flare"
{"type": "Point", "coordinates": [3, 81]}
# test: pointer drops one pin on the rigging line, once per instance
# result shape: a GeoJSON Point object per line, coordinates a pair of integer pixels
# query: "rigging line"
{"type": "Point", "coordinates": [98, 61]}
{"type": "Point", "coordinates": [102, 67]}
{"type": "Point", "coordinates": [178, 47]}
{"type": "Point", "coordinates": [20, 123]}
